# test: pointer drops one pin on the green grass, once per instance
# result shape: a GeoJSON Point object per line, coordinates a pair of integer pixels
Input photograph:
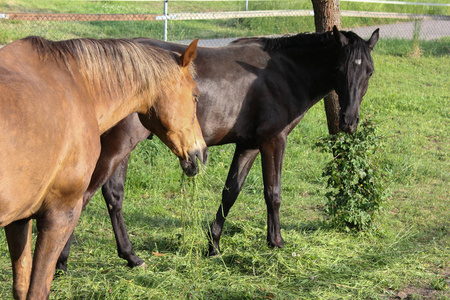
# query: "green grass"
{"type": "Point", "coordinates": [167, 214]}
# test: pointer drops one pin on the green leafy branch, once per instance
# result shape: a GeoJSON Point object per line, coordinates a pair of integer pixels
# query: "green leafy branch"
{"type": "Point", "coordinates": [356, 184]}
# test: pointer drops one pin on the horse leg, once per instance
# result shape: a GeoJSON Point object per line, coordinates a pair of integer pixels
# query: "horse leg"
{"type": "Point", "coordinates": [18, 235]}
{"type": "Point", "coordinates": [242, 162]}
{"type": "Point", "coordinates": [54, 229]}
{"type": "Point", "coordinates": [105, 166]}
{"type": "Point", "coordinates": [113, 193]}
{"type": "Point", "coordinates": [272, 154]}
{"type": "Point", "coordinates": [61, 264]}
{"type": "Point", "coordinates": [97, 179]}
{"type": "Point", "coordinates": [117, 144]}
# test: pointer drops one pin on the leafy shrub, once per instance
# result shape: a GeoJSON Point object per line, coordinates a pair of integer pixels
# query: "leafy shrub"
{"type": "Point", "coordinates": [356, 184]}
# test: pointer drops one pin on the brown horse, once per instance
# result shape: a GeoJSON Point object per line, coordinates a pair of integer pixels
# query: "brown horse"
{"type": "Point", "coordinates": [56, 99]}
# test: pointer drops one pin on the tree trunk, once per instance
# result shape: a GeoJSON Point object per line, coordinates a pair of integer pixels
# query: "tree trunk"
{"type": "Point", "coordinates": [326, 15]}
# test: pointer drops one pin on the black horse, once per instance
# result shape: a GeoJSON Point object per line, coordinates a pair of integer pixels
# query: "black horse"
{"type": "Point", "coordinates": [252, 93]}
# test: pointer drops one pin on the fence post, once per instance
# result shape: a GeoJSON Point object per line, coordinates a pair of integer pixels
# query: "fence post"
{"type": "Point", "coordinates": [246, 5]}
{"type": "Point", "coordinates": [166, 4]}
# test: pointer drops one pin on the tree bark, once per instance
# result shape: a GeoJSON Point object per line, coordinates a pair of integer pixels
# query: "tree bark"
{"type": "Point", "coordinates": [326, 15]}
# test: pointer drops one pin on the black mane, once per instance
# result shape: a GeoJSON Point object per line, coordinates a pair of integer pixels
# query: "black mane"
{"type": "Point", "coordinates": [302, 40]}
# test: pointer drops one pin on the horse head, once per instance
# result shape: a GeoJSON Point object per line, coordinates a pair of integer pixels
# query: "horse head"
{"type": "Point", "coordinates": [180, 132]}
{"type": "Point", "coordinates": [354, 69]}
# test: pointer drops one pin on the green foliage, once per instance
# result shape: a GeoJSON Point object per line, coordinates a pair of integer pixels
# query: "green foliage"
{"type": "Point", "coordinates": [357, 187]}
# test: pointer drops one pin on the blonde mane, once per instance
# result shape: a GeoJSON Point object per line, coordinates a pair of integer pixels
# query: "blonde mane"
{"type": "Point", "coordinates": [118, 65]}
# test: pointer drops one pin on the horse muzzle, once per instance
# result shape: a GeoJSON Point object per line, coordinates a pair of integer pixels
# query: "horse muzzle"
{"type": "Point", "coordinates": [348, 124]}
{"type": "Point", "coordinates": [190, 165]}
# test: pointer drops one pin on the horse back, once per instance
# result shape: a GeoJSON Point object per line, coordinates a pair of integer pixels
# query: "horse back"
{"type": "Point", "coordinates": [247, 95]}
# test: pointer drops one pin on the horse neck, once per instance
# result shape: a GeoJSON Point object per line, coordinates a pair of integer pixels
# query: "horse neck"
{"type": "Point", "coordinates": [113, 105]}
{"type": "Point", "coordinates": [120, 77]}
{"type": "Point", "coordinates": [311, 64]}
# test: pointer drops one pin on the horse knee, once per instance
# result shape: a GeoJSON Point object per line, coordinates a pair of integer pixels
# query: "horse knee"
{"type": "Point", "coordinates": [273, 198]}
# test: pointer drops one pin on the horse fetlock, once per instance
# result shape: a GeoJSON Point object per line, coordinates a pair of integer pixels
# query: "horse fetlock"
{"type": "Point", "coordinates": [214, 249]}
{"type": "Point", "coordinates": [214, 238]}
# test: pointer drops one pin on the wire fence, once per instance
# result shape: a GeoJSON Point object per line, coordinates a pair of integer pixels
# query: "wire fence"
{"type": "Point", "coordinates": [217, 22]}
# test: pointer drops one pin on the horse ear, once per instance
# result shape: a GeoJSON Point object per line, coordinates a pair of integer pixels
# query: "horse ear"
{"type": "Point", "coordinates": [188, 56]}
{"type": "Point", "coordinates": [340, 38]}
{"type": "Point", "coordinates": [373, 39]}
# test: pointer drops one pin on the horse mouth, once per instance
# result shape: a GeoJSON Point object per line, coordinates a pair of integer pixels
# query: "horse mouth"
{"type": "Point", "coordinates": [190, 165]}
{"type": "Point", "coordinates": [347, 128]}
{"type": "Point", "coordinates": [348, 125]}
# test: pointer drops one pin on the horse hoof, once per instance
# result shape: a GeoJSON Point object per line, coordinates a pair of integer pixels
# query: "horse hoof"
{"type": "Point", "coordinates": [213, 251]}
{"type": "Point", "coordinates": [59, 273]}
{"type": "Point", "coordinates": [277, 244]}
{"type": "Point", "coordinates": [142, 266]}
{"type": "Point", "coordinates": [137, 264]}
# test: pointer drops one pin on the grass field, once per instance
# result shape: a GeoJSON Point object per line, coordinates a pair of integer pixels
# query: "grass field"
{"type": "Point", "coordinates": [168, 214]}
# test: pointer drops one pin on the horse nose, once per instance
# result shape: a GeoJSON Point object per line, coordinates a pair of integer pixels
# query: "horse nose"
{"type": "Point", "coordinates": [348, 124]}
{"type": "Point", "coordinates": [190, 165]}
{"type": "Point", "coordinates": [201, 155]}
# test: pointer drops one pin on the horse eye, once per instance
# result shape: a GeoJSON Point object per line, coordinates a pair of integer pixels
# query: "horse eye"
{"type": "Point", "coordinates": [195, 97]}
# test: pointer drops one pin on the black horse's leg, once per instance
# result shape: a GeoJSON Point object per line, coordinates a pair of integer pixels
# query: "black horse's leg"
{"type": "Point", "coordinates": [112, 191]}
{"type": "Point", "coordinates": [61, 264]}
{"type": "Point", "coordinates": [272, 154]}
{"type": "Point", "coordinates": [242, 162]}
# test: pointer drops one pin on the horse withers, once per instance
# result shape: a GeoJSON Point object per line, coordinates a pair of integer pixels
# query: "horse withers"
{"type": "Point", "coordinates": [56, 99]}
{"type": "Point", "coordinates": [252, 93]}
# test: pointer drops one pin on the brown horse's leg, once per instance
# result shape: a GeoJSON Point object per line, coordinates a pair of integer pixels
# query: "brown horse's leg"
{"type": "Point", "coordinates": [113, 193]}
{"type": "Point", "coordinates": [272, 154]}
{"type": "Point", "coordinates": [242, 162]}
{"type": "Point", "coordinates": [54, 229]}
{"type": "Point", "coordinates": [18, 235]}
